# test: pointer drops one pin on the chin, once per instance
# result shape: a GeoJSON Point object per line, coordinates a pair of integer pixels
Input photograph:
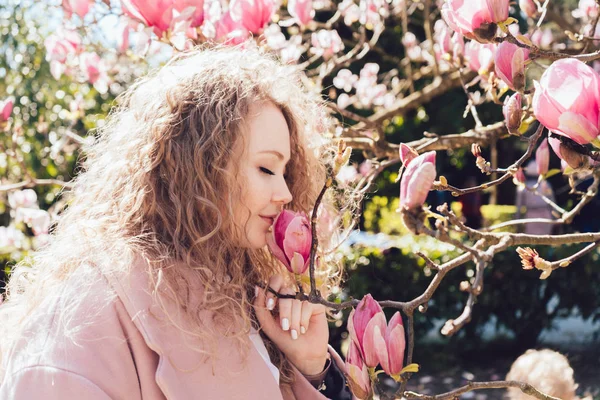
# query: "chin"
{"type": "Point", "coordinates": [256, 239]}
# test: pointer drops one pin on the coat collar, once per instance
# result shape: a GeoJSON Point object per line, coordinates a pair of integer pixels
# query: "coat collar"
{"type": "Point", "coordinates": [182, 372]}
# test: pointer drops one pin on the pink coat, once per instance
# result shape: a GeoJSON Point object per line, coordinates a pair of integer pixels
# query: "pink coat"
{"type": "Point", "coordinates": [129, 349]}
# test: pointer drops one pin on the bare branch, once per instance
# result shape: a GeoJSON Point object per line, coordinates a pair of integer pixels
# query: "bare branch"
{"type": "Point", "coordinates": [525, 388]}
{"type": "Point", "coordinates": [439, 86]}
{"type": "Point", "coordinates": [34, 182]}
{"type": "Point", "coordinates": [565, 262]}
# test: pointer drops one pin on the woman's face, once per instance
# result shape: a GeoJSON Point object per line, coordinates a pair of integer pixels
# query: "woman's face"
{"type": "Point", "coordinates": [262, 173]}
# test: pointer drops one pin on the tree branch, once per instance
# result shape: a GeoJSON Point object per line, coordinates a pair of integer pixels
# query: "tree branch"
{"type": "Point", "coordinates": [525, 388]}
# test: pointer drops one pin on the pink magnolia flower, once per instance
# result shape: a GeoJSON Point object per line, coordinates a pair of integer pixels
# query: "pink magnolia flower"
{"type": "Point", "coordinates": [293, 50]}
{"type": "Point", "coordinates": [392, 344]}
{"type": "Point", "coordinates": [79, 7]}
{"type": "Point", "coordinates": [161, 14]}
{"type": "Point", "coordinates": [61, 44]}
{"type": "Point", "coordinates": [368, 92]}
{"type": "Point", "coordinates": [230, 31]}
{"type": "Point", "coordinates": [528, 7]}
{"type": "Point", "coordinates": [442, 35]}
{"type": "Point", "coordinates": [92, 67]}
{"type": "Point", "coordinates": [350, 11]}
{"type": "Point", "coordinates": [513, 112]}
{"type": "Point", "coordinates": [345, 79]}
{"type": "Point", "coordinates": [38, 220]}
{"type": "Point", "coordinates": [567, 100]}
{"type": "Point", "coordinates": [26, 198]}
{"type": "Point", "coordinates": [447, 43]}
{"type": "Point", "coordinates": [253, 15]}
{"type": "Point", "coordinates": [586, 9]}
{"type": "Point", "coordinates": [358, 374]}
{"type": "Point", "coordinates": [290, 240]}
{"type": "Point", "coordinates": [475, 19]}
{"type": "Point", "coordinates": [343, 101]}
{"type": "Point", "coordinates": [417, 180]}
{"type": "Point", "coordinates": [480, 57]}
{"type": "Point", "coordinates": [11, 238]}
{"type": "Point", "coordinates": [542, 38]}
{"type": "Point", "coordinates": [6, 107]}
{"type": "Point", "coordinates": [301, 10]}
{"type": "Point", "coordinates": [372, 12]}
{"type": "Point", "coordinates": [365, 167]}
{"type": "Point", "coordinates": [542, 158]}
{"type": "Point", "coordinates": [152, 13]}
{"type": "Point", "coordinates": [326, 43]}
{"type": "Point", "coordinates": [510, 64]}
{"type": "Point", "coordinates": [197, 17]}
{"type": "Point", "coordinates": [363, 321]}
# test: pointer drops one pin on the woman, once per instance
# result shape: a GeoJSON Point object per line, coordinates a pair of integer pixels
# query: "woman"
{"type": "Point", "coordinates": [149, 288]}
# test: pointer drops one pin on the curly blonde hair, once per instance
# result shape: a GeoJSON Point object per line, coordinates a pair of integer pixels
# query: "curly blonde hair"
{"type": "Point", "coordinates": [155, 181]}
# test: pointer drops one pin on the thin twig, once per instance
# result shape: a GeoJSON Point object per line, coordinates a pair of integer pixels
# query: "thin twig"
{"type": "Point", "coordinates": [565, 262]}
{"type": "Point", "coordinates": [454, 394]}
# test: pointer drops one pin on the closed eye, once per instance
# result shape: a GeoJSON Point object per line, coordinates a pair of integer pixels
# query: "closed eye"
{"type": "Point", "coordinates": [266, 171]}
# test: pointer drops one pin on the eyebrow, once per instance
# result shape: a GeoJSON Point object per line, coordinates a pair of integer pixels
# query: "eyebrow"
{"type": "Point", "coordinates": [274, 152]}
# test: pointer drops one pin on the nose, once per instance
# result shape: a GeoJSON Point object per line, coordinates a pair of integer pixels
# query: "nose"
{"type": "Point", "coordinates": [282, 194]}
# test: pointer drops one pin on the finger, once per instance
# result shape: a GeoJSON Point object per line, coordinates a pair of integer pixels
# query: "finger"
{"type": "Point", "coordinates": [295, 319]}
{"type": "Point", "coordinates": [307, 311]}
{"type": "Point", "coordinates": [275, 283]}
{"type": "Point", "coordinates": [285, 309]}
{"type": "Point", "coordinates": [268, 323]}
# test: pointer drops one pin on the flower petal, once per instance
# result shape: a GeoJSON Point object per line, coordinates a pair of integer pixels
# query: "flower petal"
{"type": "Point", "coordinates": [373, 341]}
{"type": "Point", "coordinates": [298, 238]}
{"type": "Point", "coordinates": [577, 127]}
{"type": "Point", "coordinates": [298, 265]}
{"type": "Point", "coordinates": [276, 250]}
{"type": "Point", "coordinates": [420, 182]}
{"type": "Point", "coordinates": [396, 344]}
{"type": "Point", "coordinates": [364, 312]}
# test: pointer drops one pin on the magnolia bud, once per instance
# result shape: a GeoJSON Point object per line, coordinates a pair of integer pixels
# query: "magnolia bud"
{"type": "Point", "coordinates": [571, 157]}
{"type": "Point", "coordinates": [528, 7]}
{"type": "Point", "coordinates": [476, 150]}
{"type": "Point", "coordinates": [519, 177]}
{"type": "Point", "coordinates": [512, 113]}
{"type": "Point", "coordinates": [542, 158]}
{"type": "Point", "coordinates": [343, 156]}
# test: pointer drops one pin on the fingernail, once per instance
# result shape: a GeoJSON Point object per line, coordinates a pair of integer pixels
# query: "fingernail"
{"type": "Point", "coordinates": [302, 330]}
{"type": "Point", "coordinates": [294, 334]}
{"type": "Point", "coordinates": [270, 304]}
{"type": "Point", "coordinates": [285, 324]}
{"type": "Point", "coordinates": [255, 291]}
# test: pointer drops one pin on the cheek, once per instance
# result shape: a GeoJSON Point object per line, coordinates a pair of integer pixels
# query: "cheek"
{"type": "Point", "coordinates": [257, 193]}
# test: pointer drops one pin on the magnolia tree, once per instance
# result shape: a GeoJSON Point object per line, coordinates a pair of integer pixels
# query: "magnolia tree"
{"type": "Point", "coordinates": [537, 64]}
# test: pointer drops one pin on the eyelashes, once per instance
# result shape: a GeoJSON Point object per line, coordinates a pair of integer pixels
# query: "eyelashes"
{"type": "Point", "coordinates": [269, 172]}
{"type": "Point", "coordinates": [266, 171]}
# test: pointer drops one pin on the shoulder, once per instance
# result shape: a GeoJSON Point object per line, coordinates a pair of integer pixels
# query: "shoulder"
{"type": "Point", "coordinates": [53, 383]}
{"type": "Point", "coordinates": [80, 334]}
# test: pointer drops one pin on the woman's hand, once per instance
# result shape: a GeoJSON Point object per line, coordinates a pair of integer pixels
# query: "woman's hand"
{"type": "Point", "coordinates": [298, 328]}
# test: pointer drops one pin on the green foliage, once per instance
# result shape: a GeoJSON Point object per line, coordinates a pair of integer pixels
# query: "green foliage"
{"type": "Point", "coordinates": [516, 300]}
{"type": "Point", "coordinates": [45, 126]}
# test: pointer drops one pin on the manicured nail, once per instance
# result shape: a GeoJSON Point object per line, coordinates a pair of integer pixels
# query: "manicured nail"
{"type": "Point", "coordinates": [255, 291]}
{"type": "Point", "coordinates": [285, 324]}
{"type": "Point", "coordinates": [294, 334]}
{"type": "Point", "coordinates": [302, 330]}
{"type": "Point", "coordinates": [270, 304]}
